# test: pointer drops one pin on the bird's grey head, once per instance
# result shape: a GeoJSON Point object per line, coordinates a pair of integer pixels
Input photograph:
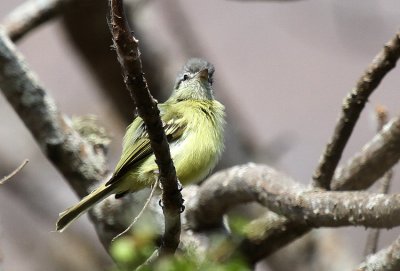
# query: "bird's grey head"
{"type": "Point", "coordinates": [194, 81]}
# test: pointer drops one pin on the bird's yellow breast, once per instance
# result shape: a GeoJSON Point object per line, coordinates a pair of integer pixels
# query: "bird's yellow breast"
{"type": "Point", "coordinates": [200, 147]}
{"type": "Point", "coordinates": [194, 154]}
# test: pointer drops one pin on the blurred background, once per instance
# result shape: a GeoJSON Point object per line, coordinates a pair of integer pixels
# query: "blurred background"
{"type": "Point", "coordinates": [282, 69]}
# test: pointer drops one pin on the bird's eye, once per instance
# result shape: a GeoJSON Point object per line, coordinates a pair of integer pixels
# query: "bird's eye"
{"type": "Point", "coordinates": [185, 77]}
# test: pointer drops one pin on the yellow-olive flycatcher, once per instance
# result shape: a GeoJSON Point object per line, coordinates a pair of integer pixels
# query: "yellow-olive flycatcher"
{"type": "Point", "coordinates": [193, 123]}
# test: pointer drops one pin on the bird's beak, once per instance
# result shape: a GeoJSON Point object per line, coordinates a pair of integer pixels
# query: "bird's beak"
{"type": "Point", "coordinates": [203, 74]}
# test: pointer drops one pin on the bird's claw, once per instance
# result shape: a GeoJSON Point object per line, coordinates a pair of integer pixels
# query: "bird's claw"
{"type": "Point", "coordinates": [180, 186]}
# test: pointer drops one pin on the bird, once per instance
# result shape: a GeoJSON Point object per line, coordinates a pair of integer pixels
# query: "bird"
{"type": "Point", "coordinates": [193, 121]}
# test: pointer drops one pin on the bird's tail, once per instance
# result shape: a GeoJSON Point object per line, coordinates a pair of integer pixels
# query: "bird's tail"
{"type": "Point", "coordinates": [74, 212]}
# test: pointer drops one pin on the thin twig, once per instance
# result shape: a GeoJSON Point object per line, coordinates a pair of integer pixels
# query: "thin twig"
{"type": "Point", "coordinates": [32, 14]}
{"type": "Point", "coordinates": [129, 57]}
{"type": "Point", "coordinates": [351, 109]}
{"type": "Point", "coordinates": [12, 174]}
{"type": "Point", "coordinates": [153, 189]}
{"type": "Point", "coordinates": [373, 234]}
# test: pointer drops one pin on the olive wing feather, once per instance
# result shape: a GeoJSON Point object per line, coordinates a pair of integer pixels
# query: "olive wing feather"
{"type": "Point", "coordinates": [139, 147]}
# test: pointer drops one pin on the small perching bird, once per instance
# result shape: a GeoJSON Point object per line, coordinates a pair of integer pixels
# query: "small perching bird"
{"type": "Point", "coordinates": [193, 122]}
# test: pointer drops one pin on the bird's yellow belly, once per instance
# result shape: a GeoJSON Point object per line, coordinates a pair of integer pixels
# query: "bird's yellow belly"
{"type": "Point", "coordinates": [192, 166]}
{"type": "Point", "coordinates": [196, 162]}
{"type": "Point", "coordinates": [194, 157]}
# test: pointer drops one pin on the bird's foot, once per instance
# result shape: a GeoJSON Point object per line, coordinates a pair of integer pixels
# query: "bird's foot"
{"type": "Point", "coordinates": [180, 186]}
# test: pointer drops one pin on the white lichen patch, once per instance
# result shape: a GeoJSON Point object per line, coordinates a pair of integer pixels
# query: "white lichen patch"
{"type": "Point", "coordinates": [386, 202]}
{"type": "Point", "coordinates": [373, 201]}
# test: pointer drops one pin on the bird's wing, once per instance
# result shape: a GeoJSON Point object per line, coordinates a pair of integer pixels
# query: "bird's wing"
{"type": "Point", "coordinates": [139, 148]}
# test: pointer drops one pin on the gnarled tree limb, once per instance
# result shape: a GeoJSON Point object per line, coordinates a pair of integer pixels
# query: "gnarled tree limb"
{"type": "Point", "coordinates": [304, 208]}
{"type": "Point", "coordinates": [31, 14]}
{"type": "Point", "coordinates": [82, 164]}
{"type": "Point", "coordinates": [277, 192]}
{"type": "Point", "coordinates": [384, 61]}
{"type": "Point", "coordinates": [129, 57]}
{"type": "Point", "coordinates": [77, 160]}
{"type": "Point", "coordinates": [351, 109]}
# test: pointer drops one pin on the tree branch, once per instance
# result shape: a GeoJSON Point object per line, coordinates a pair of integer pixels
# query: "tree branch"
{"type": "Point", "coordinates": [129, 57]}
{"type": "Point", "coordinates": [373, 234]}
{"type": "Point", "coordinates": [278, 233]}
{"type": "Point", "coordinates": [277, 192]}
{"type": "Point", "coordinates": [374, 160]}
{"type": "Point", "coordinates": [351, 109]}
{"type": "Point", "coordinates": [31, 14]}
{"type": "Point", "coordinates": [303, 208]}
{"type": "Point", "coordinates": [355, 174]}
{"type": "Point", "coordinates": [78, 161]}
{"type": "Point", "coordinates": [387, 259]}
{"type": "Point", "coordinates": [228, 188]}
{"type": "Point", "coordinates": [288, 227]}
{"type": "Point", "coordinates": [82, 164]}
